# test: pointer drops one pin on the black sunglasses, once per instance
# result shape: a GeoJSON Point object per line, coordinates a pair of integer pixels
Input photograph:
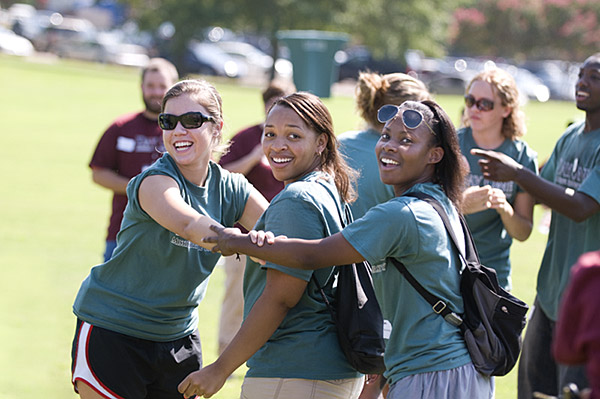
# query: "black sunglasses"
{"type": "Point", "coordinates": [483, 104]}
{"type": "Point", "coordinates": [410, 117]}
{"type": "Point", "coordinates": [189, 120]}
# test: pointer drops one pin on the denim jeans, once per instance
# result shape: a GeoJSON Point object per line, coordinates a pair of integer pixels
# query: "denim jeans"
{"type": "Point", "coordinates": [538, 371]}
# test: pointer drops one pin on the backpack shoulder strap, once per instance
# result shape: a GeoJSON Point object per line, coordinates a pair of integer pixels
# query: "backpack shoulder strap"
{"type": "Point", "coordinates": [438, 305]}
{"type": "Point", "coordinates": [470, 254]}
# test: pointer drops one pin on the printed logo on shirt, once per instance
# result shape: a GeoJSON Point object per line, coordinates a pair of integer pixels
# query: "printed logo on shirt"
{"type": "Point", "coordinates": [570, 174]}
{"type": "Point", "coordinates": [507, 187]}
{"type": "Point", "coordinates": [182, 242]}
{"type": "Point", "coordinates": [149, 144]}
{"type": "Point", "coordinates": [125, 144]}
{"type": "Point", "coordinates": [141, 144]}
{"type": "Point", "coordinates": [378, 268]}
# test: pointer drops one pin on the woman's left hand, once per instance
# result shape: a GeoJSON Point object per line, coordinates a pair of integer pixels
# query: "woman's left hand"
{"type": "Point", "coordinates": [204, 382]}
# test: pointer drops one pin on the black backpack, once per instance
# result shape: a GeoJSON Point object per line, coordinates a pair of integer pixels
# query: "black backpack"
{"type": "Point", "coordinates": [493, 319]}
{"type": "Point", "coordinates": [356, 314]}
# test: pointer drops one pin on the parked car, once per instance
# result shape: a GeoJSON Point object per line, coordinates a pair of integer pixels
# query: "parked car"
{"type": "Point", "coordinates": [64, 29]}
{"type": "Point", "coordinates": [451, 75]}
{"type": "Point", "coordinates": [13, 44]}
{"type": "Point", "coordinates": [207, 58]}
{"type": "Point", "coordinates": [103, 48]}
{"type": "Point", "coordinates": [257, 63]}
{"type": "Point", "coordinates": [355, 59]}
{"type": "Point", "coordinates": [559, 76]}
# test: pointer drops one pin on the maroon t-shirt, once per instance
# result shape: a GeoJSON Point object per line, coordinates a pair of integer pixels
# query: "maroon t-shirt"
{"type": "Point", "coordinates": [260, 175]}
{"type": "Point", "coordinates": [131, 144]}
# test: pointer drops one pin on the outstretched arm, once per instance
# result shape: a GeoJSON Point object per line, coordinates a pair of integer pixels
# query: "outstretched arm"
{"type": "Point", "coordinates": [160, 198]}
{"type": "Point", "coordinates": [573, 204]}
{"type": "Point", "coordinates": [291, 252]}
{"type": "Point", "coordinates": [282, 292]}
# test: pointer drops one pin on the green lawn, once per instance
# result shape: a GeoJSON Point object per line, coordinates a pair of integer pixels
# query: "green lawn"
{"type": "Point", "coordinates": [53, 218]}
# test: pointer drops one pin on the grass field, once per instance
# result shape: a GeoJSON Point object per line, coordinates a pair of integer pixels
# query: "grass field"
{"type": "Point", "coordinates": [53, 218]}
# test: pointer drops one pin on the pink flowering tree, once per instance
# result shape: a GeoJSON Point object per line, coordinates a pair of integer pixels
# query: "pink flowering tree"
{"type": "Point", "coordinates": [567, 29]}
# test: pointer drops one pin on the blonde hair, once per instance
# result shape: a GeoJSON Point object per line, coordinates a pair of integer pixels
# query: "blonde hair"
{"type": "Point", "coordinates": [374, 91]}
{"type": "Point", "coordinates": [504, 85]}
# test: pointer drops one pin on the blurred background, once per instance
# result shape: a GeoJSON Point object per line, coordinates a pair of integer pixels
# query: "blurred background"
{"type": "Point", "coordinates": [52, 213]}
{"type": "Point", "coordinates": [442, 42]}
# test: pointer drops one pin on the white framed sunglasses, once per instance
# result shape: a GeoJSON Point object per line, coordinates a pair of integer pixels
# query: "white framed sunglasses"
{"type": "Point", "coordinates": [410, 117]}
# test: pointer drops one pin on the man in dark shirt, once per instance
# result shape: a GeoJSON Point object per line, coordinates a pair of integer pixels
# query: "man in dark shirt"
{"type": "Point", "coordinates": [131, 144]}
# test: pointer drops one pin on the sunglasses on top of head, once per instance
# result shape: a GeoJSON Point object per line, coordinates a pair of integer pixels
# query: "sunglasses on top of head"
{"type": "Point", "coordinates": [482, 104]}
{"type": "Point", "coordinates": [410, 117]}
{"type": "Point", "coordinates": [189, 120]}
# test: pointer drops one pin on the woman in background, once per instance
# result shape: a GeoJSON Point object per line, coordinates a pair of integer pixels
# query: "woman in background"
{"type": "Point", "coordinates": [496, 212]}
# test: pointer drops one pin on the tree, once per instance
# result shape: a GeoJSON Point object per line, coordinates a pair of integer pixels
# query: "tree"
{"type": "Point", "coordinates": [390, 28]}
{"type": "Point", "coordinates": [564, 29]}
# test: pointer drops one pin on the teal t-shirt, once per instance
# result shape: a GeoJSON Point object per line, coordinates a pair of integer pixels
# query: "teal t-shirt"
{"type": "Point", "coordinates": [155, 280]}
{"type": "Point", "coordinates": [574, 163]}
{"type": "Point", "coordinates": [491, 238]}
{"type": "Point", "coordinates": [358, 147]}
{"type": "Point", "coordinates": [411, 231]}
{"type": "Point", "coordinates": [305, 344]}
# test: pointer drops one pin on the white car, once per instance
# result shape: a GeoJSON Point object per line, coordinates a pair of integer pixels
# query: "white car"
{"type": "Point", "coordinates": [11, 43]}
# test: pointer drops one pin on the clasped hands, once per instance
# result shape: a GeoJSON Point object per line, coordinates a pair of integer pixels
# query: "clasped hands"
{"type": "Point", "coordinates": [225, 237]}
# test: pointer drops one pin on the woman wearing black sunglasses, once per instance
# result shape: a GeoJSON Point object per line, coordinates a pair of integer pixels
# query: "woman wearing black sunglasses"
{"type": "Point", "coordinates": [496, 212]}
{"type": "Point", "coordinates": [425, 355]}
{"type": "Point", "coordinates": [136, 314]}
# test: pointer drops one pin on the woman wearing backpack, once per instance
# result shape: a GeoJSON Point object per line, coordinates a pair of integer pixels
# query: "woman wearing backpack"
{"type": "Point", "coordinates": [418, 151]}
{"type": "Point", "coordinates": [288, 336]}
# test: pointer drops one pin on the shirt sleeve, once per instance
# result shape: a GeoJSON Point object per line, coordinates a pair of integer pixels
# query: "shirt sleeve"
{"type": "Point", "coordinates": [529, 160]}
{"type": "Point", "coordinates": [294, 218]}
{"type": "Point", "coordinates": [240, 146]}
{"type": "Point", "coordinates": [105, 155]}
{"type": "Point", "coordinates": [591, 184]}
{"type": "Point", "coordinates": [386, 230]}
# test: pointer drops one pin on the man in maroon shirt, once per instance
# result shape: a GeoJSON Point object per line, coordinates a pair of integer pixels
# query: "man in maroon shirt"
{"type": "Point", "coordinates": [131, 144]}
{"type": "Point", "coordinates": [246, 156]}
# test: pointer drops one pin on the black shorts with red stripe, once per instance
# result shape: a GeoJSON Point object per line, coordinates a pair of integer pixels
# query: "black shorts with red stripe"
{"type": "Point", "coordinates": [120, 366]}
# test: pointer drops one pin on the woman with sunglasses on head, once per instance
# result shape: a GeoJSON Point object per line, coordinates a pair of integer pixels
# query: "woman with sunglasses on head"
{"type": "Point", "coordinates": [418, 152]}
{"type": "Point", "coordinates": [496, 212]}
{"type": "Point", "coordinates": [371, 93]}
{"type": "Point", "coordinates": [136, 333]}
{"type": "Point", "coordinates": [288, 337]}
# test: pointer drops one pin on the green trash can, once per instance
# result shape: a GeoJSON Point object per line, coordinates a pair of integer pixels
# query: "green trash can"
{"type": "Point", "coordinates": [312, 56]}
